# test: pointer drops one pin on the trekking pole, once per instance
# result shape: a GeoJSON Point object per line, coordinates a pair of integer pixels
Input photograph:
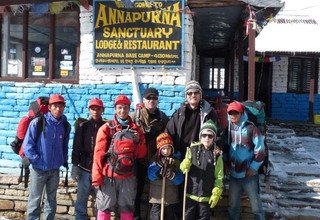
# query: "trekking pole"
{"type": "Point", "coordinates": [185, 196]}
{"type": "Point", "coordinates": [163, 191]}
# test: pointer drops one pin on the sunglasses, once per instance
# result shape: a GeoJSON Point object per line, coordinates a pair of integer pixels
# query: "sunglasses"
{"type": "Point", "coordinates": [194, 93]}
{"type": "Point", "coordinates": [152, 98]}
{"type": "Point", "coordinates": [233, 113]}
{"type": "Point", "coordinates": [210, 136]}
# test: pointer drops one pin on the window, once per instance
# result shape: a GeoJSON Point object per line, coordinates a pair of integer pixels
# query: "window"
{"type": "Point", "coordinates": [40, 47]}
{"type": "Point", "coordinates": [300, 72]}
{"type": "Point", "coordinates": [212, 73]}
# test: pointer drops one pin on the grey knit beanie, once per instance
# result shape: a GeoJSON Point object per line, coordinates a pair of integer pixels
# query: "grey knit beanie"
{"type": "Point", "coordinates": [193, 85]}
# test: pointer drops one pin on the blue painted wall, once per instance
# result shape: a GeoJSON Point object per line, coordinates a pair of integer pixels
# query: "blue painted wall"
{"type": "Point", "coordinates": [290, 106]}
{"type": "Point", "coordinates": [16, 97]}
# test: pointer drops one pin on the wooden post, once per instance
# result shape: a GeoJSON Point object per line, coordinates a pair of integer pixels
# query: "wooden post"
{"type": "Point", "coordinates": [251, 61]}
{"type": "Point", "coordinates": [240, 66]}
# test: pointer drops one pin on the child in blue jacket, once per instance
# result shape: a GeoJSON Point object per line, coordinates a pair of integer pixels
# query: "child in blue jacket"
{"type": "Point", "coordinates": [165, 165]}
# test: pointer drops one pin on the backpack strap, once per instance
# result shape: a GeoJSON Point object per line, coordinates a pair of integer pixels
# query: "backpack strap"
{"type": "Point", "coordinates": [250, 127]}
{"type": "Point", "coordinates": [41, 127]}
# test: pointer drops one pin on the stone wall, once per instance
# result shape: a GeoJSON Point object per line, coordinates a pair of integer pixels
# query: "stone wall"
{"type": "Point", "coordinates": [16, 97]}
{"type": "Point", "coordinates": [289, 106]}
{"type": "Point", "coordinates": [14, 197]}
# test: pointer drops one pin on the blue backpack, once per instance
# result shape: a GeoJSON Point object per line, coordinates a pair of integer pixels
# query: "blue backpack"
{"type": "Point", "coordinates": [257, 115]}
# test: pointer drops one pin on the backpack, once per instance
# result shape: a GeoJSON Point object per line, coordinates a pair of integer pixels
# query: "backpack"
{"type": "Point", "coordinates": [37, 108]}
{"type": "Point", "coordinates": [256, 114]}
{"type": "Point", "coordinates": [78, 122]}
{"type": "Point", "coordinates": [121, 154]}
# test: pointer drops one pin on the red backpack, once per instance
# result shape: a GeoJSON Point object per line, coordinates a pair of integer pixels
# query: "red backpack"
{"type": "Point", "coordinates": [122, 151]}
{"type": "Point", "coordinates": [37, 108]}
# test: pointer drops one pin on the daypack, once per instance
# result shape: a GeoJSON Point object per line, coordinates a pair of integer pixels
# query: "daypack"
{"type": "Point", "coordinates": [37, 108]}
{"type": "Point", "coordinates": [256, 114]}
{"type": "Point", "coordinates": [78, 122]}
{"type": "Point", "coordinates": [121, 154]}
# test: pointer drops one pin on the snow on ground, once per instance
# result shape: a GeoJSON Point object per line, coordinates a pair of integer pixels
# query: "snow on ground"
{"type": "Point", "coordinates": [294, 184]}
{"type": "Point", "coordinates": [312, 147]}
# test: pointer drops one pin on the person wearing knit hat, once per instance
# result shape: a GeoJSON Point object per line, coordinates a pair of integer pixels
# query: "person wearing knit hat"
{"type": "Point", "coordinates": [204, 164]}
{"type": "Point", "coordinates": [184, 125]}
{"type": "Point", "coordinates": [82, 154]}
{"type": "Point", "coordinates": [193, 87]}
{"type": "Point", "coordinates": [244, 154]}
{"type": "Point", "coordinates": [152, 121]}
{"type": "Point", "coordinates": [117, 188]}
{"type": "Point", "coordinates": [209, 126]}
{"type": "Point", "coordinates": [164, 165]}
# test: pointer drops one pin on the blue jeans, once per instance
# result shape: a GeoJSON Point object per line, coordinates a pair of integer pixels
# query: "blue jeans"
{"type": "Point", "coordinates": [249, 185]}
{"type": "Point", "coordinates": [43, 182]}
{"type": "Point", "coordinates": [83, 192]}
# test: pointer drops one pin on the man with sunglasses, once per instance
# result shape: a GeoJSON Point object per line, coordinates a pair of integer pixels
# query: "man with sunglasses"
{"type": "Point", "coordinates": [244, 152]}
{"type": "Point", "coordinates": [152, 121]}
{"type": "Point", "coordinates": [185, 123]}
{"type": "Point", "coordinates": [184, 126]}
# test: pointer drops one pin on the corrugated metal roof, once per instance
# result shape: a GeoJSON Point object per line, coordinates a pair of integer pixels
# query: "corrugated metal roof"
{"type": "Point", "coordinates": [295, 29]}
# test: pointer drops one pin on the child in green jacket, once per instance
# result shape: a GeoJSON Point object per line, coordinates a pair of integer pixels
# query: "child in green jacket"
{"type": "Point", "coordinates": [204, 165]}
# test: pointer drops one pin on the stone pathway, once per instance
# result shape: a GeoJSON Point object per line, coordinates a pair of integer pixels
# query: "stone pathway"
{"type": "Point", "coordinates": [293, 188]}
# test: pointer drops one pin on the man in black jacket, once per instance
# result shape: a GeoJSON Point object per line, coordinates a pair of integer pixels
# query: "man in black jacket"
{"type": "Point", "coordinates": [184, 126]}
{"type": "Point", "coordinates": [153, 122]}
{"type": "Point", "coordinates": [185, 123]}
{"type": "Point", "coordinates": [82, 155]}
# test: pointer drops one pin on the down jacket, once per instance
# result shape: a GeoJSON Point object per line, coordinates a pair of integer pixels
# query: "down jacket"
{"type": "Point", "coordinates": [100, 169]}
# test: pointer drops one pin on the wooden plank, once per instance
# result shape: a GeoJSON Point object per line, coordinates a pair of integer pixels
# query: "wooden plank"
{"type": "Point", "coordinates": [18, 2]}
{"type": "Point", "coordinates": [212, 4]}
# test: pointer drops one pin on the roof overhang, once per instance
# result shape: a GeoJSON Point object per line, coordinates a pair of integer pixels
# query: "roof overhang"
{"type": "Point", "coordinates": [294, 30]}
{"type": "Point", "coordinates": [216, 22]}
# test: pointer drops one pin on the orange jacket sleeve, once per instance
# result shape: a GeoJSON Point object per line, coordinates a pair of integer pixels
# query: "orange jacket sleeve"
{"type": "Point", "coordinates": [100, 149]}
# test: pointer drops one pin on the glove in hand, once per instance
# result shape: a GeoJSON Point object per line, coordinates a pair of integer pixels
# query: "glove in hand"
{"type": "Point", "coordinates": [25, 162]}
{"type": "Point", "coordinates": [170, 174]}
{"type": "Point", "coordinates": [186, 163]}
{"type": "Point", "coordinates": [75, 172]}
{"type": "Point", "coordinates": [216, 195]}
{"type": "Point", "coordinates": [168, 161]}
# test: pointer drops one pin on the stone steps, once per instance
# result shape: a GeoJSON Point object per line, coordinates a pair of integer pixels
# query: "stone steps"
{"type": "Point", "coordinates": [293, 189]}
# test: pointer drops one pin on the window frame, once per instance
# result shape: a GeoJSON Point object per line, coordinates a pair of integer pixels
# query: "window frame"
{"type": "Point", "coordinates": [314, 73]}
{"type": "Point", "coordinates": [51, 68]}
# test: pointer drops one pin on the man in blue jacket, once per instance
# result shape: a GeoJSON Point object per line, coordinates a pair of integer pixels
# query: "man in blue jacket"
{"type": "Point", "coordinates": [47, 151]}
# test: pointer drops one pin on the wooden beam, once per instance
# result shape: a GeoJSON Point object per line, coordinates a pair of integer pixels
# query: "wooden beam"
{"type": "Point", "coordinates": [240, 65]}
{"type": "Point", "coordinates": [251, 63]}
{"type": "Point", "coordinates": [211, 3]}
{"type": "Point", "coordinates": [19, 2]}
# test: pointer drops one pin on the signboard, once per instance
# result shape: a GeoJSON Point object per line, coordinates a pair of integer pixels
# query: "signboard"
{"type": "Point", "coordinates": [142, 33]}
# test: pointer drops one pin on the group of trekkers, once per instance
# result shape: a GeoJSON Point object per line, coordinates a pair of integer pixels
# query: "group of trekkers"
{"type": "Point", "coordinates": [118, 158]}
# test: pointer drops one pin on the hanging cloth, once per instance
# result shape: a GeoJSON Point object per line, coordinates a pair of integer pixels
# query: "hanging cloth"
{"type": "Point", "coordinates": [40, 8]}
{"type": "Point", "coordinates": [57, 7]}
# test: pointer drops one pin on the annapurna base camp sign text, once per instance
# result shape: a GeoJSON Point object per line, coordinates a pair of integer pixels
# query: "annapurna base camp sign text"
{"type": "Point", "coordinates": [146, 34]}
